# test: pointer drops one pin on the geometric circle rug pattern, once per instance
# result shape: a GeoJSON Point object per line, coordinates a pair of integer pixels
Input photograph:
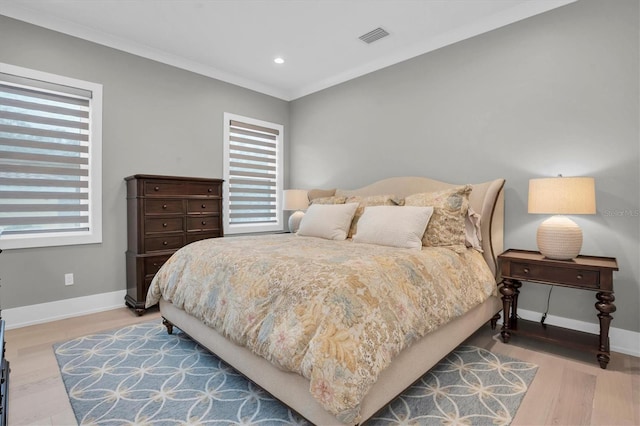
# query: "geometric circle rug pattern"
{"type": "Point", "coordinates": [140, 375]}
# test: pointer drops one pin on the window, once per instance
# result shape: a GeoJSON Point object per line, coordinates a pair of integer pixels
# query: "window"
{"type": "Point", "coordinates": [252, 174]}
{"type": "Point", "coordinates": [50, 159]}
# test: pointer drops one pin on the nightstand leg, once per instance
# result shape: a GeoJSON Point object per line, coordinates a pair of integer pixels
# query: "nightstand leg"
{"type": "Point", "coordinates": [514, 308]}
{"type": "Point", "coordinates": [507, 290]}
{"type": "Point", "coordinates": [605, 306]}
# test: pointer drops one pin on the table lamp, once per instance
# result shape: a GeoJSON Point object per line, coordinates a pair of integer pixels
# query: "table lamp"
{"type": "Point", "coordinates": [297, 200]}
{"type": "Point", "coordinates": [560, 237]}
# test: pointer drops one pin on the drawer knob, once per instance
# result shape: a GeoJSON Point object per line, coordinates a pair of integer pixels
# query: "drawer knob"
{"type": "Point", "coordinates": [164, 206]}
{"type": "Point", "coordinates": [204, 222]}
{"type": "Point", "coordinates": [525, 270]}
{"type": "Point", "coordinates": [155, 264]}
{"type": "Point", "coordinates": [164, 225]}
{"type": "Point", "coordinates": [210, 190]}
{"type": "Point", "coordinates": [157, 188]}
{"type": "Point", "coordinates": [204, 206]}
{"type": "Point", "coordinates": [579, 276]}
{"type": "Point", "coordinates": [164, 243]}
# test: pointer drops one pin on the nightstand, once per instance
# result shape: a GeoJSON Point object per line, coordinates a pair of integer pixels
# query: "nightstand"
{"type": "Point", "coordinates": [584, 272]}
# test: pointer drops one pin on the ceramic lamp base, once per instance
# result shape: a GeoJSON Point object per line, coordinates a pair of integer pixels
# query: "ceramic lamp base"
{"type": "Point", "coordinates": [559, 238]}
{"type": "Point", "coordinates": [294, 221]}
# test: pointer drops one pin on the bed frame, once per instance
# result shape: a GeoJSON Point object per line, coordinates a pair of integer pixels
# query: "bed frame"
{"type": "Point", "coordinates": [413, 362]}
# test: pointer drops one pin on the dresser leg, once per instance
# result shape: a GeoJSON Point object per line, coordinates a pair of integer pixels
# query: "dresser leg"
{"type": "Point", "coordinates": [507, 290]}
{"type": "Point", "coordinates": [605, 307]}
{"type": "Point", "coordinates": [514, 304]}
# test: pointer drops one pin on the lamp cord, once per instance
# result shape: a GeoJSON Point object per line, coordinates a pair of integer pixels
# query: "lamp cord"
{"type": "Point", "coordinates": [544, 316]}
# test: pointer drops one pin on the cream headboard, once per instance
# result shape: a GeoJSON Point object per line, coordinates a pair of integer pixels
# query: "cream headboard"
{"type": "Point", "coordinates": [486, 198]}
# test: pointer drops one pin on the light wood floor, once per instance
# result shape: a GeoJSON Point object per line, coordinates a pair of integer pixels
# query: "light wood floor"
{"type": "Point", "coordinates": [569, 388]}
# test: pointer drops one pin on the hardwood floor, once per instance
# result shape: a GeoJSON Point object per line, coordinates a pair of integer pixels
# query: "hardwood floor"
{"type": "Point", "coordinates": [569, 388]}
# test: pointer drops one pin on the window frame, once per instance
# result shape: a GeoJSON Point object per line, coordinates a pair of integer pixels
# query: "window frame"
{"type": "Point", "coordinates": [246, 228]}
{"type": "Point", "coordinates": [94, 234]}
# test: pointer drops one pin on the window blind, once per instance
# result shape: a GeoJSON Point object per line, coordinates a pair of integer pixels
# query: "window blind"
{"type": "Point", "coordinates": [44, 157]}
{"type": "Point", "coordinates": [252, 173]}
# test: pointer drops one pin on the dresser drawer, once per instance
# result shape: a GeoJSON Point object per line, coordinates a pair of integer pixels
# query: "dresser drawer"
{"type": "Point", "coordinates": [163, 224]}
{"type": "Point", "coordinates": [197, 188]}
{"type": "Point", "coordinates": [203, 206]}
{"type": "Point", "coordinates": [163, 206]}
{"type": "Point", "coordinates": [570, 276]}
{"type": "Point", "coordinates": [197, 236]}
{"type": "Point", "coordinates": [152, 264]}
{"type": "Point", "coordinates": [165, 242]}
{"type": "Point", "coordinates": [162, 188]}
{"type": "Point", "coordinates": [203, 223]}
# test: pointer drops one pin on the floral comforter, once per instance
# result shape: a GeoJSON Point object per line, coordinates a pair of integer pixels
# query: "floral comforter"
{"type": "Point", "coordinates": [336, 312]}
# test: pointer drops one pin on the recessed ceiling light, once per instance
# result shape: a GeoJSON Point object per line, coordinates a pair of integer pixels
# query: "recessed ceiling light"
{"type": "Point", "coordinates": [278, 60]}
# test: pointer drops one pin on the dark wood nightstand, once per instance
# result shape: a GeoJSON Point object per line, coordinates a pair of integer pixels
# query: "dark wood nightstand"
{"type": "Point", "coordinates": [584, 272]}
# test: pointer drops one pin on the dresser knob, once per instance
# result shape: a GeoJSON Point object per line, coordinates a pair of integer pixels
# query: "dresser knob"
{"type": "Point", "coordinates": [204, 206]}
{"type": "Point", "coordinates": [210, 190]}
{"type": "Point", "coordinates": [579, 276]}
{"type": "Point", "coordinates": [157, 188]}
{"type": "Point", "coordinates": [204, 223]}
{"type": "Point", "coordinates": [526, 270]}
{"type": "Point", "coordinates": [164, 225]}
{"type": "Point", "coordinates": [164, 243]}
{"type": "Point", "coordinates": [164, 206]}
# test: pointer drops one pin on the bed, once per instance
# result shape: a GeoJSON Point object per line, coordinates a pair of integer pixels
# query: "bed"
{"type": "Point", "coordinates": [295, 376]}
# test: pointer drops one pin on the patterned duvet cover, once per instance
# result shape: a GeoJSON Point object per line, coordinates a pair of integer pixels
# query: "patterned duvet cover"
{"type": "Point", "coordinates": [336, 312]}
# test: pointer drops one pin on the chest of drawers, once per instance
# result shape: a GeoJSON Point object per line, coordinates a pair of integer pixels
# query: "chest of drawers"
{"type": "Point", "coordinates": [165, 213]}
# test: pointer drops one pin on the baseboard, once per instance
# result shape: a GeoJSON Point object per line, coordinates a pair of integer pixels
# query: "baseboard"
{"type": "Point", "coordinates": [61, 309]}
{"type": "Point", "coordinates": [623, 341]}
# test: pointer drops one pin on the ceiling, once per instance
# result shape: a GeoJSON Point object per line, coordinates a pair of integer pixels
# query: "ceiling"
{"type": "Point", "coordinates": [237, 40]}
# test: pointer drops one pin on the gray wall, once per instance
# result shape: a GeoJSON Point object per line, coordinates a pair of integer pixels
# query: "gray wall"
{"type": "Point", "coordinates": [157, 119]}
{"type": "Point", "coordinates": [556, 93]}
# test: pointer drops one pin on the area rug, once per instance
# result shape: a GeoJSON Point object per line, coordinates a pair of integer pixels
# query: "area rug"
{"type": "Point", "coordinates": [140, 375]}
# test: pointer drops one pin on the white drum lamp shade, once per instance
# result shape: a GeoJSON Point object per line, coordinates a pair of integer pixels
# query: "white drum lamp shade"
{"type": "Point", "coordinates": [560, 237]}
{"type": "Point", "coordinates": [295, 200]}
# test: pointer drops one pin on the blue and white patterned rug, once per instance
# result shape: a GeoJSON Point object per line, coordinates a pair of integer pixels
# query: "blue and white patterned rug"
{"type": "Point", "coordinates": [141, 375]}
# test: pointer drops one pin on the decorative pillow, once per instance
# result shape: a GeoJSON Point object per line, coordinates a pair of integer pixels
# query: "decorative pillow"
{"type": "Point", "coordinates": [393, 226]}
{"type": "Point", "coordinates": [329, 200]}
{"type": "Point", "coordinates": [330, 221]}
{"type": "Point", "coordinates": [472, 234]}
{"type": "Point", "coordinates": [371, 200]}
{"type": "Point", "coordinates": [450, 206]}
{"type": "Point", "coordinates": [320, 193]}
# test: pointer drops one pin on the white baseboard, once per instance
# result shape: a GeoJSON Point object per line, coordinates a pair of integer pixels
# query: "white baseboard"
{"type": "Point", "coordinates": [623, 341]}
{"type": "Point", "coordinates": [61, 309]}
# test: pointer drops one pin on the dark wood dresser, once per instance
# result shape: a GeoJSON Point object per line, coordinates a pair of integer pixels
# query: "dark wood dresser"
{"type": "Point", "coordinates": [165, 213]}
{"type": "Point", "coordinates": [4, 379]}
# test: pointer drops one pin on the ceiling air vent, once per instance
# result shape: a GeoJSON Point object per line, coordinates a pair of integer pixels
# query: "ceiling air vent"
{"type": "Point", "coordinates": [374, 35]}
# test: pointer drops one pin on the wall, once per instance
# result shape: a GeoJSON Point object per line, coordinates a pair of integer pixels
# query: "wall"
{"type": "Point", "coordinates": [157, 119]}
{"type": "Point", "coordinates": [556, 93]}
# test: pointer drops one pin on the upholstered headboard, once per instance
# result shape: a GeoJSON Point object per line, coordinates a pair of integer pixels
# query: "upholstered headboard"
{"type": "Point", "coordinates": [486, 198]}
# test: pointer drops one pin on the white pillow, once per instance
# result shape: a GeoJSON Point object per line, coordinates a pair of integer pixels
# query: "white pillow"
{"type": "Point", "coordinates": [330, 221]}
{"type": "Point", "coordinates": [396, 226]}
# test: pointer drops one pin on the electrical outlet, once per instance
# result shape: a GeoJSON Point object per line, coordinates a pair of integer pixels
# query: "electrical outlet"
{"type": "Point", "coordinates": [68, 279]}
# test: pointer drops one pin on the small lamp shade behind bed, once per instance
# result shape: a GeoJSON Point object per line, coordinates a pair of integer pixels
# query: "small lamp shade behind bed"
{"type": "Point", "coordinates": [295, 200]}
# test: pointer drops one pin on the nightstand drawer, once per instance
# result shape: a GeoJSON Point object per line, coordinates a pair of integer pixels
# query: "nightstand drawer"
{"type": "Point", "coordinates": [163, 224]}
{"type": "Point", "coordinates": [160, 189]}
{"type": "Point", "coordinates": [558, 275]}
{"type": "Point", "coordinates": [163, 206]}
{"type": "Point", "coordinates": [168, 242]}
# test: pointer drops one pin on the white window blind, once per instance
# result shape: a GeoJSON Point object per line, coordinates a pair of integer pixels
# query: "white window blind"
{"type": "Point", "coordinates": [49, 160]}
{"type": "Point", "coordinates": [253, 175]}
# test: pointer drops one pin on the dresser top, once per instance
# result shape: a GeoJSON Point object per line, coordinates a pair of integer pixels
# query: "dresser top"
{"type": "Point", "coordinates": [161, 177]}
